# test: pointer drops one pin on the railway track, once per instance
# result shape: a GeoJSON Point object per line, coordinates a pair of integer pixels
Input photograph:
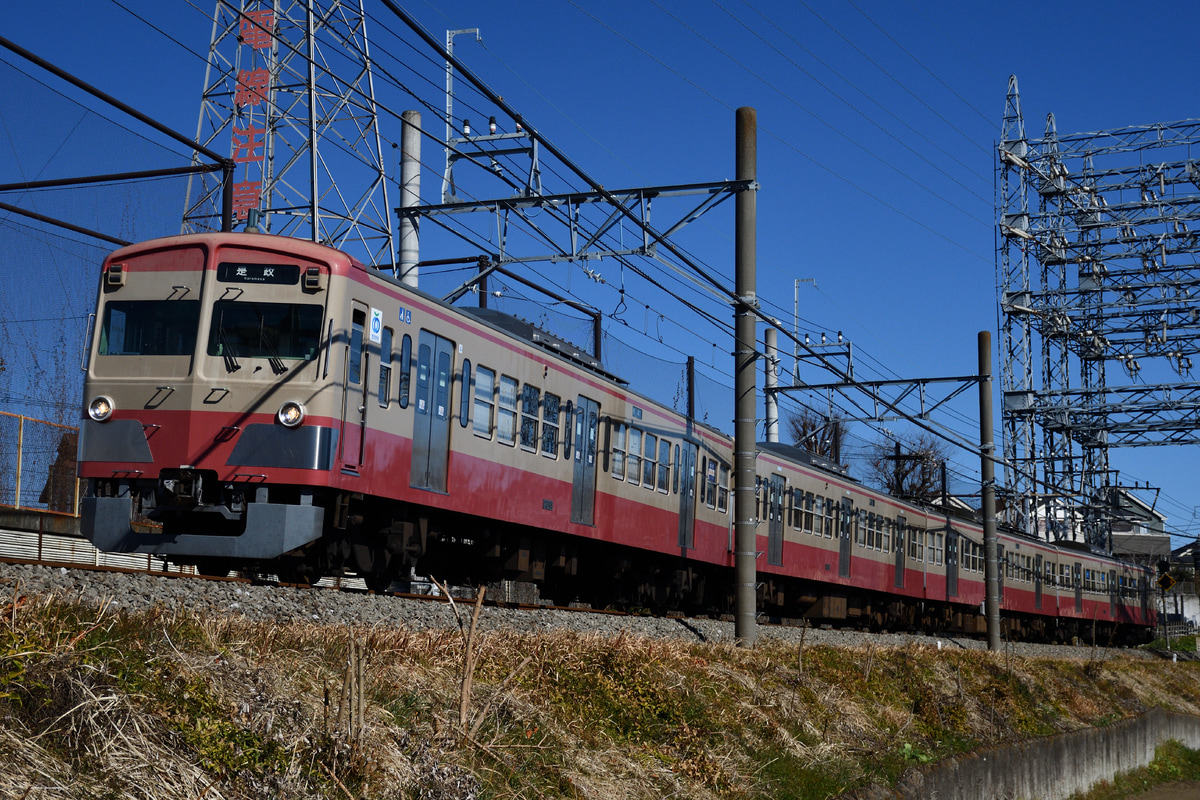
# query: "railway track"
{"type": "Point", "coordinates": [138, 583]}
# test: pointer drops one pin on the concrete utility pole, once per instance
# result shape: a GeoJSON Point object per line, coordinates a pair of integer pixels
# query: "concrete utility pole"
{"type": "Point", "coordinates": [410, 195]}
{"type": "Point", "coordinates": [771, 381]}
{"type": "Point", "coordinates": [745, 541]}
{"type": "Point", "coordinates": [987, 449]}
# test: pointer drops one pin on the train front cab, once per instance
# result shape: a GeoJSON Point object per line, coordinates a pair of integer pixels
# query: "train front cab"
{"type": "Point", "coordinates": [207, 418]}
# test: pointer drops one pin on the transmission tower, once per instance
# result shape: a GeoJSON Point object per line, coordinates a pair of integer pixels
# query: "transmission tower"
{"type": "Point", "coordinates": [1099, 293]}
{"type": "Point", "coordinates": [289, 94]}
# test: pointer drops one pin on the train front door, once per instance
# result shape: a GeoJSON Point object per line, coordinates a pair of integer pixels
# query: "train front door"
{"type": "Point", "coordinates": [583, 489]}
{"type": "Point", "coordinates": [354, 396]}
{"type": "Point", "coordinates": [431, 420]}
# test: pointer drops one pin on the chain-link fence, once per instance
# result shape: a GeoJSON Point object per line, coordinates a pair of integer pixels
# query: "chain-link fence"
{"type": "Point", "coordinates": [37, 465]}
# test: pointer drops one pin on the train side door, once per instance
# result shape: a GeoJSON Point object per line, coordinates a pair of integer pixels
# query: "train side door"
{"type": "Point", "coordinates": [951, 563]}
{"type": "Point", "coordinates": [847, 531]}
{"type": "Point", "coordinates": [687, 495]}
{"type": "Point", "coordinates": [898, 540]}
{"type": "Point", "coordinates": [775, 520]}
{"type": "Point", "coordinates": [1037, 581]}
{"type": "Point", "coordinates": [354, 398]}
{"type": "Point", "coordinates": [431, 420]}
{"type": "Point", "coordinates": [1078, 587]}
{"type": "Point", "coordinates": [583, 490]}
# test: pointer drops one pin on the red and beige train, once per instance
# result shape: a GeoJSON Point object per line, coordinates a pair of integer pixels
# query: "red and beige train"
{"type": "Point", "coordinates": [265, 403]}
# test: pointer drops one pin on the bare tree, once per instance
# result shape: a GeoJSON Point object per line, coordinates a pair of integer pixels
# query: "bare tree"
{"type": "Point", "coordinates": [908, 467]}
{"type": "Point", "coordinates": [818, 434]}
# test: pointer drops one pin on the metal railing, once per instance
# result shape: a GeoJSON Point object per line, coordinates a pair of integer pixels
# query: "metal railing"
{"type": "Point", "coordinates": [37, 465]}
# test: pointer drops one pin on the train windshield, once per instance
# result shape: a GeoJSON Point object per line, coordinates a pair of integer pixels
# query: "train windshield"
{"type": "Point", "coordinates": [149, 328]}
{"type": "Point", "coordinates": [265, 330]}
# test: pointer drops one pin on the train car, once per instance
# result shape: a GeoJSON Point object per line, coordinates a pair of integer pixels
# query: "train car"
{"type": "Point", "coordinates": [263, 403]}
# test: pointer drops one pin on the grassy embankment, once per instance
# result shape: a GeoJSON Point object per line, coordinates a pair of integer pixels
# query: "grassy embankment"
{"type": "Point", "coordinates": [95, 704]}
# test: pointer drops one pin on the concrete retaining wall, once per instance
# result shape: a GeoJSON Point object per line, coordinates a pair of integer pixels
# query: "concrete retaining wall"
{"type": "Point", "coordinates": [1054, 767]}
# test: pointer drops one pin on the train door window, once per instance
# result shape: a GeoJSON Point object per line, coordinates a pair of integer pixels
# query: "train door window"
{"type": "Point", "coordinates": [405, 370]}
{"type": "Point", "coordinates": [530, 404]}
{"type": "Point", "coordinates": [618, 450]}
{"type": "Point", "coordinates": [464, 401]}
{"type": "Point", "coordinates": [650, 462]}
{"type": "Point", "coordinates": [635, 455]}
{"type": "Point", "coordinates": [442, 386]}
{"type": "Point", "coordinates": [818, 515]}
{"type": "Point", "coordinates": [551, 405]}
{"type": "Point", "coordinates": [357, 325]}
{"type": "Point", "coordinates": [569, 427]}
{"type": "Point", "coordinates": [664, 465]}
{"type": "Point", "coordinates": [385, 367]}
{"type": "Point", "coordinates": [758, 503]}
{"type": "Point", "coordinates": [723, 489]}
{"type": "Point", "coordinates": [506, 411]}
{"type": "Point", "coordinates": [485, 387]}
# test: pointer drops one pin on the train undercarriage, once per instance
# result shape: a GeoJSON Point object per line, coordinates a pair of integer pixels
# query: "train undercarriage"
{"type": "Point", "coordinates": [189, 518]}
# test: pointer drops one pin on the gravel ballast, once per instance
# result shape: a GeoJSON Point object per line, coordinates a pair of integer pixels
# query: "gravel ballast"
{"type": "Point", "coordinates": [140, 592]}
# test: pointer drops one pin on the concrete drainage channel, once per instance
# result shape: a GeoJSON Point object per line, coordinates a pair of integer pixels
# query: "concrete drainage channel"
{"type": "Point", "coordinates": [1054, 767]}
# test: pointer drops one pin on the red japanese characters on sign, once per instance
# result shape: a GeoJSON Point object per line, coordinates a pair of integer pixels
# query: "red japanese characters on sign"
{"type": "Point", "coordinates": [245, 142]}
{"type": "Point", "coordinates": [245, 197]}
{"type": "Point", "coordinates": [255, 28]}
{"type": "Point", "coordinates": [252, 87]}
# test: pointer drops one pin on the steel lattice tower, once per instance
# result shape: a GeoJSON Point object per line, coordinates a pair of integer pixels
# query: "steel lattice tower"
{"type": "Point", "coordinates": [1101, 282]}
{"type": "Point", "coordinates": [289, 94]}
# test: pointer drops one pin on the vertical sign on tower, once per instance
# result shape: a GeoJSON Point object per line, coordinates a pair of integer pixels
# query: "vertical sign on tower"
{"type": "Point", "coordinates": [256, 31]}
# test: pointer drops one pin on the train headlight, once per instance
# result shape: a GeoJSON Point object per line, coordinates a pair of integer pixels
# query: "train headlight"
{"type": "Point", "coordinates": [101, 408]}
{"type": "Point", "coordinates": [291, 414]}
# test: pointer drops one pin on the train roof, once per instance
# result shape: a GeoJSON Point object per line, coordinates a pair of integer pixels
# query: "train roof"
{"type": "Point", "coordinates": [542, 338]}
{"type": "Point", "coordinates": [802, 456]}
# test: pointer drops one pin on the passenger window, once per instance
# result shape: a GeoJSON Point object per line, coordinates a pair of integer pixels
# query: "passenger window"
{"type": "Point", "coordinates": [650, 465]}
{"type": "Point", "coordinates": [723, 490]}
{"type": "Point", "coordinates": [618, 450]}
{"type": "Point", "coordinates": [506, 414]}
{"type": "Point", "coordinates": [385, 368]}
{"type": "Point", "coordinates": [710, 483]}
{"type": "Point", "coordinates": [530, 397]}
{"type": "Point", "coordinates": [635, 455]}
{"type": "Point", "coordinates": [485, 387]}
{"type": "Point", "coordinates": [464, 402]}
{"type": "Point", "coordinates": [550, 408]}
{"type": "Point", "coordinates": [405, 369]}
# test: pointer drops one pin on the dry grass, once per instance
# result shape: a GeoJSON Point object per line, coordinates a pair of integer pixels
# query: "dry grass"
{"type": "Point", "coordinates": [95, 704]}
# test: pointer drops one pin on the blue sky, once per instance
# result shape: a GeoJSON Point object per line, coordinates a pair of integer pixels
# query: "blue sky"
{"type": "Point", "coordinates": [877, 122]}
